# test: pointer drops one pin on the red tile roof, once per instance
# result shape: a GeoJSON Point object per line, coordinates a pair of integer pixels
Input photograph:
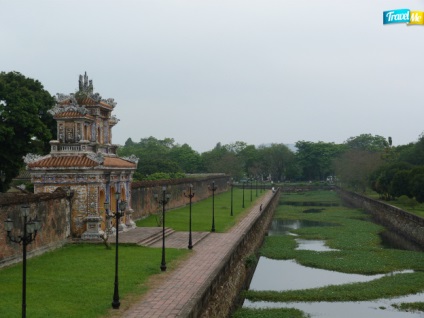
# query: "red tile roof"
{"type": "Point", "coordinates": [71, 114]}
{"type": "Point", "coordinates": [87, 101]}
{"type": "Point", "coordinates": [80, 162]}
{"type": "Point", "coordinates": [64, 162]}
{"type": "Point", "coordinates": [118, 163]}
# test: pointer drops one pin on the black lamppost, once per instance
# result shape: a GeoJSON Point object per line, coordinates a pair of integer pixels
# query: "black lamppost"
{"type": "Point", "coordinates": [190, 195]}
{"type": "Point", "coordinates": [213, 189]}
{"type": "Point", "coordinates": [163, 202]}
{"type": "Point", "coordinates": [251, 186]}
{"type": "Point", "coordinates": [120, 206]}
{"type": "Point", "coordinates": [243, 182]}
{"type": "Point", "coordinates": [28, 233]}
{"type": "Point", "coordinates": [231, 184]}
{"type": "Point", "coordinates": [2, 179]}
{"type": "Point", "coordinates": [256, 187]}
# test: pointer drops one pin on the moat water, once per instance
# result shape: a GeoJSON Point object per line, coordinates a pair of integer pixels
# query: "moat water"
{"type": "Point", "coordinates": [281, 275]}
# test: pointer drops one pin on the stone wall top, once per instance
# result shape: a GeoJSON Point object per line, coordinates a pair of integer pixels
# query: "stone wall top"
{"type": "Point", "coordinates": [21, 198]}
{"type": "Point", "coordinates": [388, 207]}
{"type": "Point", "coordinates": [157, 183]}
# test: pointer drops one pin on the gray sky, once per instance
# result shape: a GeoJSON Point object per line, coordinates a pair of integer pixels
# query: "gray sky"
{"type": "Point", "coordinates": [208, 71]}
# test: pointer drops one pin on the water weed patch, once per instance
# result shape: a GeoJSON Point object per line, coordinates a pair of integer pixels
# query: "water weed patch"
{"type": "Point", "coordinates": [357, 248]}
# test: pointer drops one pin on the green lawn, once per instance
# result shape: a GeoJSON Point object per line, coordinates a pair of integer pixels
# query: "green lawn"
{"type": "Point", "coordinates": [78, 280]}
{"type": "Point", "coordinates": [178, 219]}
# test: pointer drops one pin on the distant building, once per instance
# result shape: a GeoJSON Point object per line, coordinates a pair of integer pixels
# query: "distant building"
{"type": "Point", "coordinates": [83, 159]}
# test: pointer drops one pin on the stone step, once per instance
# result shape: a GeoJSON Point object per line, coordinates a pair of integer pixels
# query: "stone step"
{"type": "Point", "coordinates": [155, 237]}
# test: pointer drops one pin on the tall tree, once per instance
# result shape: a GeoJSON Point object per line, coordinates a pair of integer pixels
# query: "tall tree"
{"type": "Point", "coordinates": [416, 183]}
{"type": "Point", "coordinates": [368, 142]}
{"type": "Point", "coordinates": [188, 159]}
{"type": "Point", "coordinates": [249, 156]}
{"type": "Point", "coordinates": [315, 159]}
{"type": "Point", "coordinates": [354, 167]}
{"type": "Point", "coordinates": [279, 161]}
{"type": "Point", "coordinates": [381, 179]}
{"type": "Point", "coordinates": [400, 184]}
{"type": "Point", "coordinates": [153, 156]}
{"type": "Point", "coordinates": [363, 155]}
{"type": "Point", "coordinates": [413, 152]}
{"type": "Point", "coordinates": [161, 157]}
{"type": "Point", "coordinates": [213, 159]}
{"type": "Point", "coordinates": [26, 126]}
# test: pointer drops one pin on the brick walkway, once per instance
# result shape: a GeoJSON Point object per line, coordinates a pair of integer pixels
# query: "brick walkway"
{"type": "Point", "coordinates": [176, 296]}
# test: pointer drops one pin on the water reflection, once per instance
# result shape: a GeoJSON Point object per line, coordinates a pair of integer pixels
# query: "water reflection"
{"type": "Point", "coordinates": [284, 275]}
{"type": "Point", "coordinates": [313, 245]}
{"type": "Point", "coordinates": [283, 227]}
{"type": "Point", "coordinates": [289, 275]}
{"type": "Point", "coordinates": [380, 308]}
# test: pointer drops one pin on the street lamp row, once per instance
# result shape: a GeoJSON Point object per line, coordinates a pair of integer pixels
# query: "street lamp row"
{"type": "Point", "coordinates": [31, 227]}
{"type": "Point", "coordinates": [251, 189]}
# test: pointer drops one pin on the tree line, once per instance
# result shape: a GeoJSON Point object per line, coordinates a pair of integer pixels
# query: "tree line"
{"type": "Point", "coordinates": [351, 161]}
{"type": "Point", "coordinates": [402, 173]}
{"type": "Point", "coordinates": [359, 162]}
{"type": "Point", "coordinates": [166, 159]}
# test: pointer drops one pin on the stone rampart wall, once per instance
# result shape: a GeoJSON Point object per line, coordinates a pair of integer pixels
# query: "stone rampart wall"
{"type": "Point", "coordinates": [52, 209]}
{"type": "Point", "coordinates": [400, 221]}
{"type": "Point", "coordinates": [142, 194]}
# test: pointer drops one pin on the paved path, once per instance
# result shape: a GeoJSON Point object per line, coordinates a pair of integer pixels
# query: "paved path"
{"type": "Point", "coordinates": [176, 296]}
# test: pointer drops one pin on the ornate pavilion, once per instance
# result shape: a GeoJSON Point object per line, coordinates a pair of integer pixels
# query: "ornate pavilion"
{"type": "Point", "coordinates": [84, 160]}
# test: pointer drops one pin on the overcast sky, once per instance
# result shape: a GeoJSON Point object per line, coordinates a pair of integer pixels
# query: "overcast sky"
{"type": "Point", "coordinates": [209, 71]}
